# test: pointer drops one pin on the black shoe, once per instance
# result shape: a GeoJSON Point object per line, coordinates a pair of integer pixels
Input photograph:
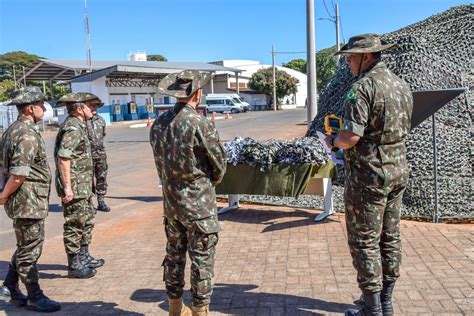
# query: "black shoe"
{"type": "Point", "coordinates": [10, 289]}
{"type": "Point", "coordinates": [386, 298]}
{"type": "Point", "coordinates": [76, 269]}
{"type": "Point", "coordinates": [39, 302]}
{"type": "Point", "coordinates": [101, 206]}
{"type": "Point", "coordinates": [14, 295]}
{"type": "Point", "coordinates": [371, 306]}
{"type": "Point", "coordinates": [88, 260]}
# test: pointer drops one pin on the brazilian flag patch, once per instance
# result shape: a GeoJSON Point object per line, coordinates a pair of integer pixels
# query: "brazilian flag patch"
{"type": "Point", "coordinates": [351, 95]}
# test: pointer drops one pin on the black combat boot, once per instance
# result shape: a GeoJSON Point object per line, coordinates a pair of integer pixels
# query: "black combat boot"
{"type": "Point", "coordinates": [77, 269]}
{"type": "Point", "coordinates": [371, 306]}
{"type": "Point", "coordinates": [88, 260]}
{"type": "Point", "coordinates": [101, 206]}
{"type": "Point", "coordinates": [39, 302]}
{"type": "Point", "coordinates": [10, 289]}
{"type": "Point", "coordinates": [386, 298]}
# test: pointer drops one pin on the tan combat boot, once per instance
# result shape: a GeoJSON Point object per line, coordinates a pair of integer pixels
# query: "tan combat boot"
{"type": "Point", "coordinates": [200, 311]}
{"type": "Point", "coordinates": [177, 308]}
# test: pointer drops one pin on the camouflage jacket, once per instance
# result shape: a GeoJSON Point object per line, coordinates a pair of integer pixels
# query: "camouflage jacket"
{"type": "Point", "coordinates": [190, 160]}
{"type": "Point", "coordinates": [96, 133]}
{"type": "Point", "coordinates": [24, 154]}
{"type": "Point", "coordinates": [73, 143]}
{"type": "Point", "coordinates": [378, 108]}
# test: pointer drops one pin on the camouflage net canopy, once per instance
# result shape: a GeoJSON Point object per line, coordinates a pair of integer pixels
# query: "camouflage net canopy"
{"type": "Point", "coordinates": [436, 53]}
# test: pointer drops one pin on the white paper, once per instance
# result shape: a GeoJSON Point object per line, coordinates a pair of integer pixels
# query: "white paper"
{"type": "Point", "coordinates": [322, 137]}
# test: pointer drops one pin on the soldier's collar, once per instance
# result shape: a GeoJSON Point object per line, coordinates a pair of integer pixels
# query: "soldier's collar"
{"type": "Point", "coordinates": [376, 64]}
{"type": "Point", "coordinates": [25, 120]}
{"type": "Point", "coordinates": [83, 124]}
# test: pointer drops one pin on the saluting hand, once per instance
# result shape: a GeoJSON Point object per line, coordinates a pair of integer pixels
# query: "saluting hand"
{"type": "Point", "coordinates": [68, 195]}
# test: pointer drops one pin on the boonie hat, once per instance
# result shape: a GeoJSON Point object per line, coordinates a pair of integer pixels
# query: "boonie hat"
{"type": "Point", "coordinates": [183, 84]}
{"type": "Point", "coordinates": [365, 43]}
{"type": "Point", "coordinates": [27, 95]}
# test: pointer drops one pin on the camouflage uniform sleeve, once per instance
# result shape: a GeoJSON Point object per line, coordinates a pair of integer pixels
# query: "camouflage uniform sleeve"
{"type": "Point", "coordinates": [356, 110]}
{"type": "Point", "coordinates": [23, 156]}
{"type": "Point", "coordinates": [214, 151]}
{"type": "Point", "coordinates": [68, 143]}
{"type": "Point", "coordinates": [102, 124]}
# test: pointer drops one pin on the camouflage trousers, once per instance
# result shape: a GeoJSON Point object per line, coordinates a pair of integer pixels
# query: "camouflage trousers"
{"type": "Point", "coordinates": [29, 241]}
{"type": "Point", "coordinates": [79, 221]}
{"type": "Point", "coordinates": [100, 175]}
{"type": "Point", "coordinates": [373, 232]}
{"type": "Point", "coordinates": [199, 238]}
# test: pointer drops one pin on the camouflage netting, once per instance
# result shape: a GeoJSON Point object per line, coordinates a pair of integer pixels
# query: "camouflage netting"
{"type": "Point", "coordinates": [434, 54]}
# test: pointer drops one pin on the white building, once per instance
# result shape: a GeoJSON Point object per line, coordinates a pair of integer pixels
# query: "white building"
{"type": "Point", "coordinates": [226, 82]}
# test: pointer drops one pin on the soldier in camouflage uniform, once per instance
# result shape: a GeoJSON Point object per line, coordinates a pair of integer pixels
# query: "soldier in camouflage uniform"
{"type": "Point", "coordinates": [377, 120]}
{"type": "Point", "coordinates": [72, 154]}
{"type": "Point", "coordinates": [26, 198]}
{"type": "Point", "coordinates": [96, 132]}
{"type": "Point", "coordinates": [190, 161]}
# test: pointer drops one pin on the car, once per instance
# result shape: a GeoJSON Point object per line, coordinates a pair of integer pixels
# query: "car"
{"type": "Point", "coordinates": [223, 104]}
{"type": "Point", "coordinates": [234, 96]}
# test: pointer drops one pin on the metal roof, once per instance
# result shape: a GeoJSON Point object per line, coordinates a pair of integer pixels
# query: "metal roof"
{"type": "Point", "coordinates": [44, 69]}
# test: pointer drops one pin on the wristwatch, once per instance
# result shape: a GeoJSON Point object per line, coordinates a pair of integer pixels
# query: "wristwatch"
{"type": "Point", "coordinates": [331, 142]}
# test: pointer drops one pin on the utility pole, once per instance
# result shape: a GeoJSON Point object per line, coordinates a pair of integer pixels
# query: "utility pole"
{"type": "Point", "coordinates": [311, 63]}
{"type": "Point", "coordinates": [14, 77]}
{"type": "Point", "coordinates": [274, 79]}
{"type": "Point", "coordinates": [337, 33]}
{"type": "Point", "coordinates": [88, 37]}
{"type": "Point", "coordinates": [24, 76]}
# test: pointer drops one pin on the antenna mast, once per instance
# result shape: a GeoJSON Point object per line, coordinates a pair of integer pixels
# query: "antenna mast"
{"type": "Point", "coordinates": [88, 35]}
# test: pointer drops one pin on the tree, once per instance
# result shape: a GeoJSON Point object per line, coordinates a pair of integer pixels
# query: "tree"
{"type": "Point", "coordinates": [7, 88]}
{"type": "Point", "coordinates": [296, 64]}
{"type": "Point", "coordinates": [325, 66]}
{"type": "Point", "coordinates": [262, 81]}
{"type": "Point", "coordinates": [156, 58]}
{"type": "Point", "coordinates": [17, 59]}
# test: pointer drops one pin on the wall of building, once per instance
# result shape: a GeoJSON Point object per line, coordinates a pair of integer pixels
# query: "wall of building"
{"type": "Point", "coordinates": [96, 87]}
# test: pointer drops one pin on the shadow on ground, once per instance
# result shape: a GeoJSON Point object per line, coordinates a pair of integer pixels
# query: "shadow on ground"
{"type": "Point", "coordinates": [50, 268]}
{"type": "Point", "coordinates": [80, 308]}
{"type": "Point", "coordinates": [237, 299]}
{"type": "Point", "coordinates": [146, 199]}
{"type": "Point", "coordinates": [271, 218]}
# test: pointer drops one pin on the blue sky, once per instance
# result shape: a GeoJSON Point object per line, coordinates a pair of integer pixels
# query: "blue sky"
{"type": "Point", "coordinates": [195, 30]}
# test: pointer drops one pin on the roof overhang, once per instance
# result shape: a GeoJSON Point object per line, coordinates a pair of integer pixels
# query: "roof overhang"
{"type": "Point", "coordinates": [77, 70]}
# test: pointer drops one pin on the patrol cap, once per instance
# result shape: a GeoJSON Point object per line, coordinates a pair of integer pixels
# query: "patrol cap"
{"type": "Point", "coordinates": [77, 97]}
{"type": "Point", "coordinates": [27, 95]}
{"type": "Point", "coordinates": [365, 43]}
{"type": "Point", "coordinates": [183, 84]}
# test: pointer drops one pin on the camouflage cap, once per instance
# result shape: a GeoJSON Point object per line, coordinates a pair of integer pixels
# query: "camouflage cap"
{"type": "Point", "coordinates": [365, 43]}
{"type": "Point", "coordinates": [27, 95]}
{"type": "Point", "coordinates": [183, 84]}
{"type": "Point", "coordinates": [75, 97]}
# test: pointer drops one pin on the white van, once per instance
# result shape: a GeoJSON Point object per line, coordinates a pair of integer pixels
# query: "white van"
{"type": "Point", "coordinates": [223, 104]}
{"type": "Point", "coordinates": [237, 99]}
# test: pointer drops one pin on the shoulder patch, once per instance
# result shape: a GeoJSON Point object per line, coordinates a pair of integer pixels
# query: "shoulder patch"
{"type": "Point", "coordinates": [351, 95]}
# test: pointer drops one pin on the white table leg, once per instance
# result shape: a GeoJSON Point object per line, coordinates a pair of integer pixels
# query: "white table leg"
{"type": "Point", "coordinates": [233, 204]}
{"type": "Point", "coordinates": [328, 204]}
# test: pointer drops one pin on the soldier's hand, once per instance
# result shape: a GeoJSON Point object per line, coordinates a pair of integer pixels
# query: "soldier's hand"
{"type": "Point", "coordinates": [3, 200]}
{"type": "Point", "coordinates": [68, 195]}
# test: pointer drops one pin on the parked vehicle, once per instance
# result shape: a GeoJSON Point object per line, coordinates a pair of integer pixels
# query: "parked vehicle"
{"type": "Point", "coordinates": [235, 97]}
{"type": "Point", "coordinates": [223, 104]}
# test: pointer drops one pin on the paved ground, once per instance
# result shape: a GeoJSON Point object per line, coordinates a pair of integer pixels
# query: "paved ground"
{"type": "Point", "coordinates": [270, 260]}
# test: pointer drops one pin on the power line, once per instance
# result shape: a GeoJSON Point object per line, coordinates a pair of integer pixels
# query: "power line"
{"type": "Point", "coordinates": [327, 11]}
